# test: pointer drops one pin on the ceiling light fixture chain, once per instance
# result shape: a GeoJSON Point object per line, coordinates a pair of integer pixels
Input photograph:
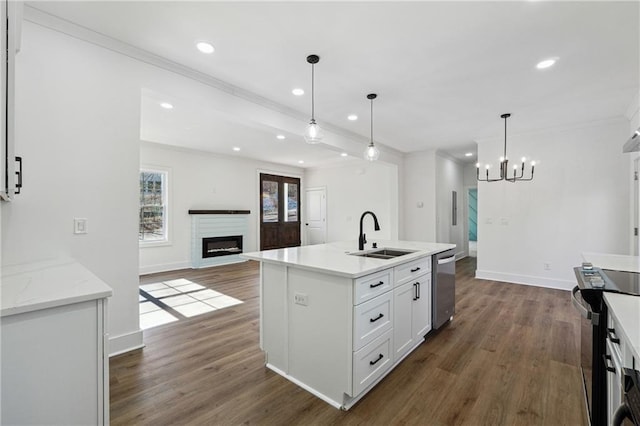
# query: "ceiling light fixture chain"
{"type": "Point", "coordinates": [313, 132]}
{"type": "Point", "coordinates": [371, 153]}
{"type": "Point", "coordinates": [504, 164]}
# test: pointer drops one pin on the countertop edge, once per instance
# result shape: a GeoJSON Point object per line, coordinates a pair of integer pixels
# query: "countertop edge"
{"type": "Point", "coordinates": [38, 306]}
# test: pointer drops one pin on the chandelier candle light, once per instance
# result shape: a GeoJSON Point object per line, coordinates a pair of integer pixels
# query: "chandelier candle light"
{"type": "Point", "coordinates": [504, 164]}
{"type": "Point", "coordinates": [371, 153]}
{"type": "Point", "coordinates": [313, 132]}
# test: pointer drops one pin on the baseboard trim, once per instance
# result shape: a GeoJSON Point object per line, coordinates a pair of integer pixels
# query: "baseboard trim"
{"type": "Point", "coordinates": [165, 267]}
{"type": "Point", "coordinates": [525, 280]}
{"type": "Point", "coordinates": [125, 343]}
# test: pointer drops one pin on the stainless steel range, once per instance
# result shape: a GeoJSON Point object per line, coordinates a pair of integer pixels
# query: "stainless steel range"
{"type": "Point", "coordinates": [587, 298]}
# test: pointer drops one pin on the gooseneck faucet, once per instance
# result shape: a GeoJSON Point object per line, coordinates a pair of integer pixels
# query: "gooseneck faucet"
{"type": "Point", "coordinates": [362, 239]}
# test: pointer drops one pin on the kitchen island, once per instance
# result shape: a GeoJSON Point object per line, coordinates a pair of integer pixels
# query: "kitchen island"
{"type": "Point", "coordinates": [335, 320]}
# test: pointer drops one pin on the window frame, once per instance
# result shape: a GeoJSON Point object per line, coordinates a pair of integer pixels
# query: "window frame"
{"type": "Point", "coordinates": [166, 173]}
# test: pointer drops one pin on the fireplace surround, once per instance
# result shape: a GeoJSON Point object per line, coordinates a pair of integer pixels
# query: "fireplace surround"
{"type": "Point", "coordinates": [217, 236]}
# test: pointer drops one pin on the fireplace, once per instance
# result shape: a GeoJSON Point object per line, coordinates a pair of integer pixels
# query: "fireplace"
{"type": "Point", "coordinates": [221, 246]}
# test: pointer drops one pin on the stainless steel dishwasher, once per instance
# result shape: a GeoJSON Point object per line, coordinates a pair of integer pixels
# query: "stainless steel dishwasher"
{"type": "Point", "coordinates": [443, 284]}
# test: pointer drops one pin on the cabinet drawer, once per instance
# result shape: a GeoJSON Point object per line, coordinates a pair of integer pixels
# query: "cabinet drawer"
{"type": "Point", "coordinates": [371, 319]}
{"type": "Point", "coordinates": [371, 362]}
{"type": "Point", "coordinates": [408, 271]}
{"type": "Point", "coordinates": [370, 286]}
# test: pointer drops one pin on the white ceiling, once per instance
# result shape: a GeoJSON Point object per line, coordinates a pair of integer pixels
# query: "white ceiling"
{"type": "Point", "coordinates": [443, 71]}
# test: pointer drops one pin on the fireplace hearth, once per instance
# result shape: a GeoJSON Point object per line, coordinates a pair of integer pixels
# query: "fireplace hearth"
{"type": "Point", "coordinates": [221, 246]}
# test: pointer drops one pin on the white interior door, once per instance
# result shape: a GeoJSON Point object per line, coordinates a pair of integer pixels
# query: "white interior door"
{"type": "Point", "coordinates": [316, 215]}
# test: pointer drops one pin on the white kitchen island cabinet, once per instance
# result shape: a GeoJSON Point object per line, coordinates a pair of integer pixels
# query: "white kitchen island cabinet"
{"type": "Point", "coordinates": [54, 345]}
{"type": "Point", "coordinates": [330, 320]}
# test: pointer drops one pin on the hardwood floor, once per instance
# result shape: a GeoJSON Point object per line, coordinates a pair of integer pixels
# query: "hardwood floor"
{"type": "Point", "coordinates": [510, 356]}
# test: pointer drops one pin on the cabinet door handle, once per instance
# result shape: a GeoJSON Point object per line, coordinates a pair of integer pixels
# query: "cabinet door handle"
{"type": "Point", "coordinates": [415, 291]}
{"type": "Point", "coordinates": [376, 285]}
{"type": "Point", "coordinates": [380, 356]}
{"type": "Point", "coordinates": [19, 174]}
{"type": "Point", "coordinates": [418, 287]}
{"type": "Point", "coordinates": [606, 364]}
{"type": "Point", "coordinates": [376, 318]}
{"type": "Point", "coordinates": [610, 334]}
{"type": "Point", "coordinates": [416, 269]}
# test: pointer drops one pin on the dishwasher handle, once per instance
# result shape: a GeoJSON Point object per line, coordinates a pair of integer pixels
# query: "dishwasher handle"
{"type": "Point", "coordinates": [585, 312]}
{"type": "Point", "coordinates": [446, 260]}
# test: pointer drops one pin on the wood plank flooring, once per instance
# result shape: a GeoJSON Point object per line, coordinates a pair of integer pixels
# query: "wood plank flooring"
{"type": "Point", "coordinates": [510, 357]}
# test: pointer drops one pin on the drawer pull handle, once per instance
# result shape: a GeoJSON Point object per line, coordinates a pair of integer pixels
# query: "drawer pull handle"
{"type": "Point", "coordinates": [376, 285]}
{"type": "Point", "coordinates": [416, 269]}
{"type": "Point", "coordinates": [376, 361]}
{"type": "Point", "coordinates": [611, 333]}
{"type": "Point", "coordinates": [376, 318]}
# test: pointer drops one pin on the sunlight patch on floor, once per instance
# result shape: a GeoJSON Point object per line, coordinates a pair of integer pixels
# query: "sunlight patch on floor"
{"type": "Point", "coordinates": [172, 300]}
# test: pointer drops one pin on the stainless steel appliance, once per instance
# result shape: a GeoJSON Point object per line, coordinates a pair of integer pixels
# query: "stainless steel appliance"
{"type": "Point", "coordinates": [588, 300]}
{"type": "Point", "coordinates": [630, 407]}
{"type": "Point", "coordinates": [443, 284]}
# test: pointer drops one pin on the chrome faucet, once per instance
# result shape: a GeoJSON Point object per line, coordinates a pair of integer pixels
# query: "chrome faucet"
{"type": "Point", "coordinates": [362, 239]}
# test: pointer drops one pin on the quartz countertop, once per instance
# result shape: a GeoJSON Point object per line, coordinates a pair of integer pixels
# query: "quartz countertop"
{"type": "Point", "coordinates": [616, 262]}
{"type": "Point", "coordinates": [336, 259]}
{"type": "Point", "coordinates": [46, 284]}
{"type": "Point", "coordinates": [626, 310]}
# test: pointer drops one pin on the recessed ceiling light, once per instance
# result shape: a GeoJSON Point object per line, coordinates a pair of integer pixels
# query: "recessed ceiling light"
{"type": "Point", "coordinates": [205, 47]}
{"type": "Point", "coordinates": [235, 148]}
{"type": "Point", "coordinates": [166, 105]}
{"type": "Point", "coordinates": [468, 154]}
{"type": "Point", "coordinates": [281, 137]}
{"type": "Point", "coordinates": [297, 91]}
{"type": "Point", "coordinates": [352, 117]}
{"type": "Point", "coordinates": [546, 63]}
{"type": "Point", "coordinates": [344, 154]}
{"type": "Point", "coordinates": [300, 161]}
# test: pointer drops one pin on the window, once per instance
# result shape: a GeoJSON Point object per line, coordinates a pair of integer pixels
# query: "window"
{"type": "Point", "coordinates": [153, 206]}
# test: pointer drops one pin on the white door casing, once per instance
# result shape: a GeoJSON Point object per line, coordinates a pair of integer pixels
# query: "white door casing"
{"type": "Point", "coordinates": [315, 216]}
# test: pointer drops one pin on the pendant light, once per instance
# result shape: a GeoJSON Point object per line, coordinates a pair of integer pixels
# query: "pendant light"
{"type": "Point", "coordinates": [504, 164]}
{"type": "Point", "coordinates": [371, 153]}
{"type": "Point", "coordinates": [313, 132]}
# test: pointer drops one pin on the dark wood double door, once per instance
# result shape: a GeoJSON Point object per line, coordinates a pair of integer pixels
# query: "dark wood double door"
{"type": "Point", "coordinates": [279, 212]}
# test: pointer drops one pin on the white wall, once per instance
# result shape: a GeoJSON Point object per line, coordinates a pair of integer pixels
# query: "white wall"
{"type": "Point", "coordinates": [419, 197]}
{"type": "Point", "coordinates": [578, 202]}
{"type": "Point", "coordinates": [449, 178]}
{"type": "Point", "coordinates": [354, 189]}
{"type": "Point", "coordinates": [200, 180]}
{"type": "Point", "coordinates": [77, 126]}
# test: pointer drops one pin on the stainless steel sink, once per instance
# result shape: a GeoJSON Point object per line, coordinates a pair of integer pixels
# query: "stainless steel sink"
{"type": "Point", "coordinates": [385, 253]}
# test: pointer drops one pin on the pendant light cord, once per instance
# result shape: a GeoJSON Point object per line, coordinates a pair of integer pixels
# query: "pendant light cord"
{"type": "Point", "coordinates": [312, 92]}
{"type": "Point", "coordinates": [505, 137]}
{"type": "Point", "coordinates": [371, 121]}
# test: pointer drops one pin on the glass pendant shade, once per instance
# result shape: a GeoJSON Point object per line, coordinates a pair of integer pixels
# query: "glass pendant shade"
{"type": "Point", "coordinates": [313, 133]}
{"type": "Point", "coordinates": [371, 153]}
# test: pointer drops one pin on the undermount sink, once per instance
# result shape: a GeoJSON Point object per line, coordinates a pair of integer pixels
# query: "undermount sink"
{"type": "Point", "coordinates": [385, 253]}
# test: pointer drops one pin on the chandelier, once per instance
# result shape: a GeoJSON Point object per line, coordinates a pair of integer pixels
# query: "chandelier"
{"type": "Point", "coordinates": [518, 170]}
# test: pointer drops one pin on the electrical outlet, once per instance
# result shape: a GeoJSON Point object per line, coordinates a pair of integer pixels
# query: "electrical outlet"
{"type": "Point", "coordinates": [547, 266]}
{"type": "Point", "coordinates": [301, 299]}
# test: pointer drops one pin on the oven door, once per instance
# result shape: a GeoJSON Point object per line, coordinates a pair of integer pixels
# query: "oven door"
{"type": "Point", "coordinates": [589, 320]}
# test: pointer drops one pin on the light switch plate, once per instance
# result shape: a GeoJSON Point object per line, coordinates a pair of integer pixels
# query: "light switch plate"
{"type": "Point", "coordinates": [80, 225]}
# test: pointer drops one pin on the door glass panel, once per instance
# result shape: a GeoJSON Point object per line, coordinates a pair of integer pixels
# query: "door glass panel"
{"type": "Point", "coordinates": [291, 189]}
{"type": "Point", "coordinates": [269, 201]}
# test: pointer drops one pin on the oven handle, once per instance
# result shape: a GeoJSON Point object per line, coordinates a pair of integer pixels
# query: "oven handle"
{"type": "Point", "coordinates": [586, 313]}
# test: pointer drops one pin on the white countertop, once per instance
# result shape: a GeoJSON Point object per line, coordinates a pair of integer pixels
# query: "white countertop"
{"type": "Point", "coordinates": [47, 284]}
{"type": "Point", "coordinates": [626, 310]}
{"type": "Point", "coordinates": [616, 262]}
{"type": "Point", "coordinates": [335, 258]}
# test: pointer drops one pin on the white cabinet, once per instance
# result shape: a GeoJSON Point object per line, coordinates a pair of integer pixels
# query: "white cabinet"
{"type": "Point", "coordinates": [336, 336]}
{"type": "Point", "coordinates": [412, 314]}
{"type": "Point", "coordinates": [54, 346]}
{"type": "Point", "coordinates": [10, 24]}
